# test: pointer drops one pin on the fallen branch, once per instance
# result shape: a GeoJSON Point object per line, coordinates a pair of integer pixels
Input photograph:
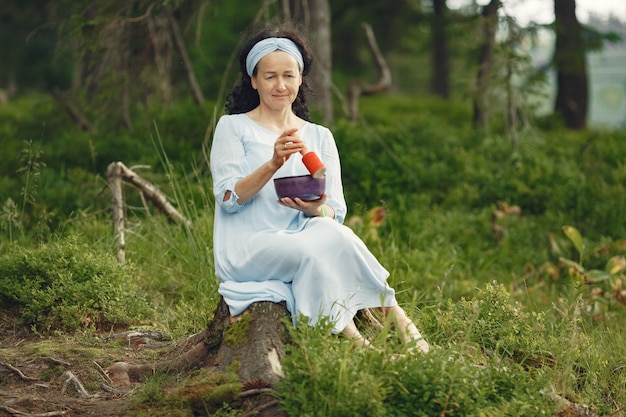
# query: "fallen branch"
{"type": "Point", "coordinates": [103, 373]}
{"type": "Point", "coordinates": [18, 372]}
{"type": "Point", "coordinates": [15, 412]}
{"type": "Point", "coordinates": [118, 172]}
{"type": "Point", "coordinates": [70, 379]}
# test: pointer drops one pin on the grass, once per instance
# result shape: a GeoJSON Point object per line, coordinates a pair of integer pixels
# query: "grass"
{"type": "Point", "coordinates": [513, 325]}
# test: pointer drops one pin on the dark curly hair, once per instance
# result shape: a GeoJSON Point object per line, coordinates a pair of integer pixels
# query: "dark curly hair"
{"type": "Point", "coordinates": [244, 98]}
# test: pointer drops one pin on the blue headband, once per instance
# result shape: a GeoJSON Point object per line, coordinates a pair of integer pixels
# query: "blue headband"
{"type": "Point", "coordinates": [269, 45]}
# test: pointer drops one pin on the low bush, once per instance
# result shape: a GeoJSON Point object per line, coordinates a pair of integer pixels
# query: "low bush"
{"type": "Point", "coordinates": [67, 286]}
{"type": "Point", "coordinates": [468, 372]}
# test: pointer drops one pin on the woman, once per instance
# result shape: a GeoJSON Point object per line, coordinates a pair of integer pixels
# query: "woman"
{"type": "Point", "coordinates": [288, 249]}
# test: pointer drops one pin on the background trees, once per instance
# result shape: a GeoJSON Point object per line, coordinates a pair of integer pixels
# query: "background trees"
{"type": "Point", "coordinates": [571, 66]}
{"type": "Point", "coordinates": [114, 58]}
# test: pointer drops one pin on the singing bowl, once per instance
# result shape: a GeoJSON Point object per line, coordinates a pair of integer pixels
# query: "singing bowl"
{"type": "Point", "coordinates": [305, 187]}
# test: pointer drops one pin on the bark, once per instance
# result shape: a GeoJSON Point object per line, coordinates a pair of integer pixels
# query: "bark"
{"type": "Point", "coordinates": [441, 66]}
{"type": "Point", "coordinates": [569, 59]}
{"type": "Point", "coordinates": [162, 45]}
{"type": "Point", "coordinates": [253, 342]}
{"type": "Point", "coordinates": [485, 63]}
{"type": "Point", "coordinates": [321, 71]}
{"type": "Point", "coordinates": [114, 174]}
{"type": "Point", "coordinates": [314, 17]}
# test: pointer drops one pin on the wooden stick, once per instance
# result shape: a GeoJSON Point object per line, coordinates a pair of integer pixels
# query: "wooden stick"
{"type": "Point", "coordinates": [117, 172]}
{"type": "Point", "coordinates": [117, 205]}
{"type": "Point", "coordinates": [18, 372]}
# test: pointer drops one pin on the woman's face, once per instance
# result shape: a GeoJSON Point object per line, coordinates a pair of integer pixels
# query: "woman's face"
{"type": "Point", "coordinates": [277, 80]}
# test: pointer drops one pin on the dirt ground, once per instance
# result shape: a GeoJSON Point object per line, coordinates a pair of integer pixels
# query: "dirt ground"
{"type": "Point", "coordinates": [42, 376]}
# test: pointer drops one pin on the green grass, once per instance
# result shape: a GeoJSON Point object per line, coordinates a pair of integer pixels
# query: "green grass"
{"type": "Point", "coordinates": [511, 316]}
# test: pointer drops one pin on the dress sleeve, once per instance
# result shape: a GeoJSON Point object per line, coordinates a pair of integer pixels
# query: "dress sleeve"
{"type": "Point", "coordinates": [334, 185]}
{"type": "Point", "coordinates": [228, 163]}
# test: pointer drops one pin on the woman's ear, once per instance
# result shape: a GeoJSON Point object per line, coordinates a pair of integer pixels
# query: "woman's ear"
{"type": "Point", "coordinates": [253, 82]}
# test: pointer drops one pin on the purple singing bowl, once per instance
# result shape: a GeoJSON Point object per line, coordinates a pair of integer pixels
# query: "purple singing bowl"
{"type": "Point", "coordinates": [305, 187]}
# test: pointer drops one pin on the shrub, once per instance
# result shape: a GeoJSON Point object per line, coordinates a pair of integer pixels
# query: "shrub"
{"type": "Point", "coordinates": [324, 377]}
{"type": "Point", "coordinates": [452, 382]}
{"type": "Point", "coordinates": [67, 286]}
{"type": "Point", "coordinates": [496, 323]}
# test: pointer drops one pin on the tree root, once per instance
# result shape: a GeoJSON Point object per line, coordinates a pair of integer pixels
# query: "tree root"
{"type": "Point", "coordinates": [18, 372]}
{"type": "Point", "coordinates": [70, 379]}
{"type": "Point", "coordinates": [122, 373]}
{"type": "Point", "coordinates": [15, 412]}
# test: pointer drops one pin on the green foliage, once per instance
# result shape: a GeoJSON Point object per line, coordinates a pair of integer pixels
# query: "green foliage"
{"type": "Point", "coordinates": [449, 382]}
{"type": "Point", "coordinates": [67, 286]}
{"type": "Point", "coordinates": [603, 288]}
{"type": "Point", "coordinates": [438, 184]}
{"type": "Point", "coordinates": [235, 333]}
{"type": "Point", "coordinates": [496, 323]}
{"type": "Point", "coordinates": [210, 393]}
{"type": "Point", "coordinates": [431, 159]}
{"type": "Point", "coordinates": [326, 377]}
{"type": "Point", "coordinates": [204, 392]}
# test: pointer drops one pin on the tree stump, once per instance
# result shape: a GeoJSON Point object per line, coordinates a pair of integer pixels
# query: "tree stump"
{"type": "Point", "coordinates": [251, 345]}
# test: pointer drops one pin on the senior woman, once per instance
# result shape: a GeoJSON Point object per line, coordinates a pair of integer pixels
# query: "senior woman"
{"type": "Point", "coordinates": [269, 249]}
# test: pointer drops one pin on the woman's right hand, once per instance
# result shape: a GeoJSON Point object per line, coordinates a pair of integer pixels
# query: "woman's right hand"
{"type": "Point", "coordinates": [287, 144]}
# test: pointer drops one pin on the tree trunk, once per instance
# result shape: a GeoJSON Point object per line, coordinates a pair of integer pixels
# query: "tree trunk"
{"type": "Point", "coordinates": [441, 68]}
{"type": "Point", "coordinates": [571, 66]}
{"type": "Point", "coordinates": [253, 343]}
{"type": "Point", "coordinates": [485, 62]}
{"type": "Point", "coordinates": [184, 59]}
{"type": "Point", "coordinates": [321, 72]}
{"type": "Point", "coordinates": [314, 16]}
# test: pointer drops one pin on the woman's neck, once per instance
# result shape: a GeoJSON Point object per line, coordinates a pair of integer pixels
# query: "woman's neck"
{"type": "Point", "coordinates": [276, 121]}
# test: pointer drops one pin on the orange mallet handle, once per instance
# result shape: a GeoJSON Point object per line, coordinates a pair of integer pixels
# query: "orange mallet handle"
{"type": "Point", "coordinates": [314, 164]}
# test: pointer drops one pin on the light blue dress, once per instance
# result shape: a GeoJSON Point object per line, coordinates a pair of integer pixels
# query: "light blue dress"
{"type": "Point", "coordinates": [267, 252]}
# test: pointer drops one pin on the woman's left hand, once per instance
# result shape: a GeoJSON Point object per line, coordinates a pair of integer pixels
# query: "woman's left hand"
{"type": "Point", "coordinates": [309, 208]}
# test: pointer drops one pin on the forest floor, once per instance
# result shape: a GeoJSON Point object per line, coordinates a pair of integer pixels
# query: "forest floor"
{"type": "Point", "coordinates": [42, 376]}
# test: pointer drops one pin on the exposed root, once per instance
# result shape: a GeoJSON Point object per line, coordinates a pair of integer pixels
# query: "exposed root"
{"type": "Point", "coordinates": [18, 372]}
{"type": "Point", "coordinates": [15, 412]}
{"type": "Point", "coordinates": [70, 379]}
{"type": "Point", "coordinates": [117, 392]}
{"type": "Point", "coordinates": [55, 361]}
{"type": "Point", "coordinates": [122, 373]}
{"type": "Point", "coordinates": [256, 391]}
